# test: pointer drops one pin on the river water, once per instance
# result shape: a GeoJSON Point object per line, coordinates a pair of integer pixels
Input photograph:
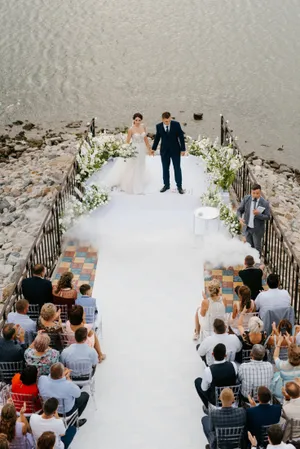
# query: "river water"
{"type": "Point", "coordinates": [75, 59]}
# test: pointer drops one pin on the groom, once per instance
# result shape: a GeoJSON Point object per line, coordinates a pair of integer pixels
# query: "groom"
{"type": "Point", "coordinates": [171, 148]}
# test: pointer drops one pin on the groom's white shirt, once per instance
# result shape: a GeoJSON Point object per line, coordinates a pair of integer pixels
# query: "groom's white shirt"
{"type": "Point", "coordinates": [169, 126]}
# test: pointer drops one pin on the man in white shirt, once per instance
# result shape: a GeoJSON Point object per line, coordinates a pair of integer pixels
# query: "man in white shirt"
{"type": "Point", "coordinates": [274, 298]}
{"type": "Point", "coordinates": [50, 421]}
{"type": "Point", "coordinates": [275, 437]}
{"type": "Point", "coordinates": [20, 316]}
{"type": "Point", "coordinates": [291, 410]}
{"type": "Point", "coordinates": [80, 352]}
{"type": "Point", "coordinates": [232, 343]}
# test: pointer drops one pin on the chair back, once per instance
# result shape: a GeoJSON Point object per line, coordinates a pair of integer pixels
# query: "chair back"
{"type": "Point", "coordinates": [246, 355]}
{"type": "Point", "coordinates": [34, 311]}
{"type": "Point", "coordinates": [22, 442]}
{"type": "Point", "coordinates": [67, 339]}
{"type": "Point", "coordinates": [89, 314]}
{"type": "Point", "coordinates": [64, 314]}
{"type": "Point", "coordinates": [263, 439]}
{"type": "Point", "coordinates": [31, 402]}
{"type": "Point", "coordinates": [294, 429]}
{"type": "Point", "coordinates": [247, 318]}
{"type": "Point", "coordinates": [236, 392]}
{"type": "Point", "coordinates": [283, 353]}
{"type": "Point", "coordinates": [81, 370]}
{"type": "Point", "coordinates": [230, 437]}
{"type": "Point", "coordinates": [9, 369]}
{"type": "Point", "coordinates": [276, 315]}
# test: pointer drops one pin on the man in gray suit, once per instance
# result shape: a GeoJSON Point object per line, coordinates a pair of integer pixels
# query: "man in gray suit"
{"type": "Point", "coordinates": [252, 213]}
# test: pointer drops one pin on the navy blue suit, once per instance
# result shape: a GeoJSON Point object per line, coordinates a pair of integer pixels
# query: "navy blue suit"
{"type": "Point", "coordinates": [262, 415]}
{"type": "Point", "coordinates": [172, 144]}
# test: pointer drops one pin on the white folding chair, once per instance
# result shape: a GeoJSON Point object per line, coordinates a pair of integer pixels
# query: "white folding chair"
{"type": "Point", "coordinates": [230, 437]}
{"type": "Point", "coordinates": [82, 374]}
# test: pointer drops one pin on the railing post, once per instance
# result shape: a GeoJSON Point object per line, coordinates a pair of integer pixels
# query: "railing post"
{"type": "Point", "coordinates": [222, 130]}
{"type": "Point", "coordinates": [57, 225]}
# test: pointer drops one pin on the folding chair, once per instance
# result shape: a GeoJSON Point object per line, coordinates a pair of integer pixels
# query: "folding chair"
{"type": "Point", "coordinates": [246, 353]}
{"type": "Point", "coordinates": [291, 432]}
{"type": "Point", "coordinates": [9, 369]}
{"type": "Point", "coordinates": [263, 438]}
{"type": "Point", "coordinates": [283, 353]}
{"type": "Point", "coordinates": [34, 311]}
{"type": "Point", "coordinates": [32, 403]}
{"type": "Point", "coordinates": [82, 375]}
{"type": "Point", "coordinates": [230, 437]}
{"type": "Point", "coordinates": [24, 442]}
{"type": "Point", "coordinates": [67, 339]}
{"type": "Point", "coordinates": [64, 314]}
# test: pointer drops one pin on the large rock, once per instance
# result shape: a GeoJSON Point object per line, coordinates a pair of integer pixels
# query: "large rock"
{"type": "Point", "coordinates": [35, 141]}
{"type": "Point", "coordinates": [28, 126]}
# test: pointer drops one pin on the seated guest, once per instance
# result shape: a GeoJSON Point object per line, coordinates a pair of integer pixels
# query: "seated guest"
{"type": "Point", "coordinates": [220, 374]}
{"type": "Point", "coordinates": [227, 416]}
{"type": "Point", "coordinates": [10, 349]}
{"type": "Point", "coordinates": [254, 336]}
{"type": "Point", "coordinates": [263, 414]}
{"type": "Point", "coordinates": [40, 355]}
{"type": "Point", "coordinates": [255, 373]}
{"type": "Point", "coordinates": [210, 308]}
{"type": "Point", "coordinates": [275, 438]}
{"type": "Point", "coordinates": [50, 421]}
{"type": "Point", "coordinates": [272, 298]}
{"type": "Point", "coordinates": [77, 320]}
{"type": "Point", "coordinates": [49, 319]}
{"type": "Point", "coordinates": [20, 316]}
{"type": "Point", "coordinates": [232, 343]}
{"type": "Point", "coordinates": [15, 428]}
{"type": "Point", "coordinates": [284, 328]}
{"type": "Point", "coordinates": [26, 383]}
{"type": "Point", "coordinates": [64, 292]}
{"type": "Point", "coordinates": [46, 441]}
{"type": "Point", "coordinates": [245, 306]}
{"type": "Point", "coordinates": [287, 369]}
{"type": "Point", "coordinates": [37, 289]}
{"type": "Point", "coordinates": [252, 277]}
{"type": "Point", "coordinates": [291, 410]}
{"type": "Point", "coordinates": [3, 441]}
{"type": "Point", "coordinates": [59, 385]}
{"type": "Point", "coordinates": [79, 351]}
{"type": "Point", "coordinates": [86, 300]}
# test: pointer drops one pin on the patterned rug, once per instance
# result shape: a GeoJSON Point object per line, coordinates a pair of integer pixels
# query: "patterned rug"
{"type": "Point", "coordinates": [81, 260]}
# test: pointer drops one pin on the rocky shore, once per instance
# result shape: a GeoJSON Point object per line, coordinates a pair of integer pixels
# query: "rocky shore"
{"type": "Point", "coordinates": [33, 162]}
{"type": "Point", "coordinates": [281, 186]}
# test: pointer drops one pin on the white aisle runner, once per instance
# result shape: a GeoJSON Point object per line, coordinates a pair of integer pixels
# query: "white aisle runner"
{"type": "Point", "coordinates": [148, 283]}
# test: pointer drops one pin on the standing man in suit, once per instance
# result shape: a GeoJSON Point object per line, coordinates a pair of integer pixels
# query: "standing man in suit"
{"type": "Point", "coordinates": [252, 213]}
{"type": "Point", "coordinates": [37, 289]}
{"type": "Point", "coordinates": [172, 148]}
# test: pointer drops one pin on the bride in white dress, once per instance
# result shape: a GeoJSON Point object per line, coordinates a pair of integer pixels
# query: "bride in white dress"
{"type": "Point", "coordinates": [130, 174]}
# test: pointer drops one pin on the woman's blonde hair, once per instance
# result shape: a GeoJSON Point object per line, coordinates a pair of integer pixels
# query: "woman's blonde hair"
{"type": "Point", "coordinates": [255, 325]}
{"type": "Point", "coordinates": [294, 355]}
{"type": "Point", "coordinates": [48, 311]}
{"type": "Point", "coordinates": [214, 287]}
{"type": "Point", "coordinates": [41, 342]}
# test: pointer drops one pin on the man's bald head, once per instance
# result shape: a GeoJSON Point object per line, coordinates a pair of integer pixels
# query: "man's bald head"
{"type": "Point", "coordinates": [292, 389]}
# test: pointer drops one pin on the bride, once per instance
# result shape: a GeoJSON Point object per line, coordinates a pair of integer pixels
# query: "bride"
{"type": "Point", "coordinates": [130, 174]}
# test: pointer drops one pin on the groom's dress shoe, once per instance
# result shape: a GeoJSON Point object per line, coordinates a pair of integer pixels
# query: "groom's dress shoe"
{"type": "Point", "coordinates": [180, 190]}
{"type": "Point", "coordinates": [164, 189]}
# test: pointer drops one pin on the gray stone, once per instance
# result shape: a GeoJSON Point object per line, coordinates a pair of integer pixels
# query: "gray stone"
{"type": "Point", "coordinates": [12, 260]}
{"type": "Point", "coordinates": [28, 126]}
{"type": "Point", "coordinates": [3, 205]}
{"type": "Point", "coordinates": [36, 141]}
{"type": "Point", "coordinates": [284, 168]}
{"type": "Point", "coordinates": [257, 162]}
{"type": "Point", "coordinates": [5, 269]}
{"type": "Point", "coordinates": [274, 164]}
{"type": "Point", "coordinates": [9, 219]}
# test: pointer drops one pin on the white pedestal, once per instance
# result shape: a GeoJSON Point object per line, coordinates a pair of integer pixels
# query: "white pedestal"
{"type": "Point", "coordinates": [206, 220]}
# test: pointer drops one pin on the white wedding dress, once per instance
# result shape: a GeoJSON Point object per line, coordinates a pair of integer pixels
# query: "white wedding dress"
{"type": "Point", "coordinates": [129, 175]}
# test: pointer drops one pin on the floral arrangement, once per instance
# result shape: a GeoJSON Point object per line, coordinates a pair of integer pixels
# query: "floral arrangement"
{"type": "Point", "coordinates": [93, 156]}
{"type": "Point", "coordinates": [94, 197]}
{"type": "Point", "coordinates": [222, 162]}
{"type": "Point", "coordinates": [213, 198]}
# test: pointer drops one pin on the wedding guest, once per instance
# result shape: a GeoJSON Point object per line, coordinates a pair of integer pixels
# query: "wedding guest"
{"type": "Point", "coordinates": [15, 428]}
{"type": "Point", "coordinates": [12, 343]}
{"type": "Point", "coordinates": [37, 289]}
{"type": "Point", "coordinates": [3, 441]}
{"type": "Point", "coordinates": [245, 306]}
{"type": "Point", "coordinates": [26, 383]}
{"type": "Point", "coordinates": [64, 292]}
{"type": "Point", "coordinates": [46, 441]}
{"type": "Point", "coordinates": [79, 351]}
{"type": "Point", "coordinates": [50, 322]}
{"type": "Point", "coordinates": [263, 414]}
{"type": "Point", "coordinates": [272, 298]}
{"type": "Point", "coordinates": [291, 410]}
{"type": "Point", "coordinates": [284, 328]}
{"type": "Point", "coordinates": [255, 335]}
{"type": "Point", "coordinates": [210, 309]}
{"type": "Point", "coordinates": [59, 385]}
{"type": "Point", "coordinates": [227, 416]}
{"type": "Point", "coordinates": [231, 341]}
{"type": "Point", "coordinates": [275, 438]}
{"type": "Point", "coordinates": [220, 374]}
{"type": "Point", "coordinates": [40, 355]}
{"type": "Point", "coordinates": [287, 370]}
{"type": "Point", "coordinates": [255, 373]}
{"type": "Point", "coordinates": [77, 320]}
{"type": "Point", "coordinates": [253, 211]}
{"type": "Point", "coordinates": [86, 300]}
{"type": "Point", "coordinates": [20, 316]}
{"type": "Point", "coordinates": [49, 420]}
{"type": "Point", "coordinates": [252, 277]}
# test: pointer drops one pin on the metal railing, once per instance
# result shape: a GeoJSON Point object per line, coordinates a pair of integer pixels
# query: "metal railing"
{"type": "Point", "coordinates": [277, 251]}
{"type": "Point", "coordinates": [47, 246]}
